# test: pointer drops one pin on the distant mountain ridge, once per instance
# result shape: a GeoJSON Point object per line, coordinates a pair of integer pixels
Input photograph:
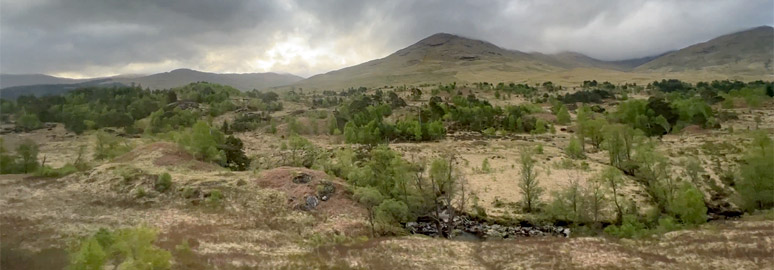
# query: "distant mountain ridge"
{"type": "Point", "coordinates": [11, 80]}
{"type": "Point", "coordinates": [749, 51]}
{"type": "Point", "coordinates": [445, 57]}
{"type": "Point", "coordinates": [37, 84]}
{"type": "Point", "coordinates": [241, 81]}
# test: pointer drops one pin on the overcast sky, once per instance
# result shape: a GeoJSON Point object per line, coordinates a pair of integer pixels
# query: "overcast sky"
{"type": "Point", "coordinates": [88, 38]}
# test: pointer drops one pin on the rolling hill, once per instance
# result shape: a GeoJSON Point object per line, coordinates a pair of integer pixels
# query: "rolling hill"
{"type": "Point", "coordinates": [437, 58]}
{"type": "Point", "coordinates": [746, 52]}
{"type": "Point", "coordinates": [11, 93]}
{"type": "Point", "coordinates": [41, 85]}
{"type": "Point", "coordinates": [446, 58]}
{"type": "Point", "coordinates": [243, 81]}
{"type": "Point", "coordinates": [12, 80]}
{"type": "Point", "coordinates": [443, 58]}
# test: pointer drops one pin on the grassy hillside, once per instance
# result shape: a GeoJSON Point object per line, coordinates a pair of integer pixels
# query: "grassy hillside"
{"type": "Point", "coordinates": [748, 52]}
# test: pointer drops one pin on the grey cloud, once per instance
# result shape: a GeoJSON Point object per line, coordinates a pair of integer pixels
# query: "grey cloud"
{"type": "Point", "coordinates": [93, 37]}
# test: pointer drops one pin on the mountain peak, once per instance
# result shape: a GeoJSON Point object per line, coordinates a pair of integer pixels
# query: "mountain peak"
{"type": "Point", "coordinates": [449, 47]}
{"type": "Point", "coordinates": [438, 39]}
{"type": "Point", "coordinates": [184, 70]}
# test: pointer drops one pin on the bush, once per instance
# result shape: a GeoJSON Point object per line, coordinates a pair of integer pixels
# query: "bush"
{"type": "Point", "coordinates": [28, 121]}
{"type": "Point", "coordinates": [109, 146]}
{"type": "Point", "coordinates": [28, 156]}
{"type": "Point", "coordinates": [303, 153]}
{"type": "Point", "coordinates": [574, 149]}
{"type": "Point", "coordinates": [370, 198]}
{"type": "Point", "coordinates": [563, 116]}
{"type": "Point", "coordinates": [215, 199]}
{"type": "Point", "coordinates": [236, 160]}
{"type": "Point", "coordinates": [163, 183]}
{"type": "Point", "coordinates": [392, 212]}
{"type": "Point", "coordinates": [47, 171]}
{"type": "Point", "coordinates": [688, 205]}
{"type": "Point", "coordinates": [125, 249]}
{"type": "Point", "coordinates": [630, 228]}
{"type": "Point", "coordinates": [203, 141]}
{"type": "Point", "coordinates": [485, 168]}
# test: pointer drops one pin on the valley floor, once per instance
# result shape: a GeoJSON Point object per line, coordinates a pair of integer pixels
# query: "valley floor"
{"type": "Point", "coordinates": [41, 218]}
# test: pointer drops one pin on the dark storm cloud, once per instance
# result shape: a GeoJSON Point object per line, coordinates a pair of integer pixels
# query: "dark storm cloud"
{"type": "Point", "coordinates": [92, 37]}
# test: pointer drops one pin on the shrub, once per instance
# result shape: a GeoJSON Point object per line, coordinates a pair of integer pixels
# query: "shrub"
{"type": "Point", "coordinates": [370, 198]}
{"type": "Point", "coordinates": [163, 182]}
{"type": "Point", "coordinates": [203, 141]}
{"type": "Point", "coordinates": [630, 228]}
{"type": "Point", "coordinates": [236, 160]}
{"type": "Point", "coordinates": [28, 121]}
{"type": "Point", "coordinates": [392, 211]}
{"type": "Point", "coordinates": [28, 156]}
{"type": "Point", "coordinates": [215, 199]}
{"type": "Point", "coordinates": [141, 193]}
{"type": "Point", "coordinates": [47, 171]}
{"type": "Point", "coordinates": [485, 168]}
{"type": "Point", "coordinates": [125, 249]}
{"type": "Point", "coordinates": [303, 152]}
{"type": "Point", "coordinates": [108, 146]}
{"type": "Point", "coordinates": [563, 116]}
{"type": "Point", "coordinates": [568, 204]}
{"type": "Point", "coordinates": [688, 205]}
{"type": "Point", "coordinates": [574, 149]}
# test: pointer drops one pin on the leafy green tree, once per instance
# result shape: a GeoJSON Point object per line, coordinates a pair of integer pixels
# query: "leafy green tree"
{"type": "Point", "coordinates": [620, 141]}
{"type": "Point", "coordinates": [370, 198]}
{"type": "Point", "coordinates": [203, 142]}
{"type": "Point", "coordinates": [436, 130]}
{"type": "Point", "coordinates": [653, 169]}
{"type": "Point", "coordinates": [613, 179]}
{"type": "Point", "coordinates": [568, 204]}
{"type": "Point", "coordinates": [235, 155]}
{"type": "Point", "coordinates": [28, 121]}
{"type": "Point", "coordinates": [302, 152]}
{"type": "Point", "coordinates": [563, 116]}
{"type": "Point", "coordinates": [574, 149]}
{"type": "Point", "coordinates": [171, 96]}
{"type": "Point", "coordinates": [756, 184]}
{"type": "Point", "coordinates": [688, 205]}
{"type": "Point", "coordinates": [90, 256]}
{"type": "Point", "coordinates": [540, 127]}
{"type": "Point", "coordinates": [392, 211]}
{"type": "Point", "coordinates": [28, 153]}
{"type": "Point", "coordinates": [528, 185]}
{"type": "Point", "coordinates": [593, 129]}
{"type": "Point", "coordinates": [595, 199]}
